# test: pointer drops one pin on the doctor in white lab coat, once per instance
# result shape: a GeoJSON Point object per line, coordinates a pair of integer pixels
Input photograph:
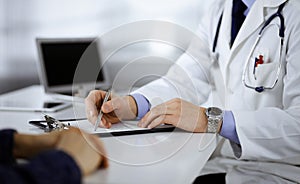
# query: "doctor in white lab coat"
{"type": "Point", "coordinates": [267, 123]}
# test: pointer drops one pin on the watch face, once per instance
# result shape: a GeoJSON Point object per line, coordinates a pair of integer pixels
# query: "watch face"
{"type": "Point", "coordinates": [214, 111]}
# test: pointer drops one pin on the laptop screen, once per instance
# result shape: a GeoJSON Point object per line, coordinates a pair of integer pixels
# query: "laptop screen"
{"type": "Point", "coordinates": [61, 58]}
{"type": "Point", "coordinates": [61, 61]}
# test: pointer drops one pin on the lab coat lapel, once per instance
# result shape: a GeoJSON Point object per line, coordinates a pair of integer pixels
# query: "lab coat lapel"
{"type": "Point", "coordinates": [223, 45]}
{"type": "Point", "coordinates": [254, 20]}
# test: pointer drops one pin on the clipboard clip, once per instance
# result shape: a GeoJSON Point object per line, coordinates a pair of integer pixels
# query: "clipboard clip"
{"type": "Point", "coordinates": [54, 124]}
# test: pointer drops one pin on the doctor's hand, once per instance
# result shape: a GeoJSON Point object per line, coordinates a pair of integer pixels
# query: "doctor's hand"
{"type": "Point", "coordinates": [179, 113]}
{"type": "Point", "coordinates": [114, 110]}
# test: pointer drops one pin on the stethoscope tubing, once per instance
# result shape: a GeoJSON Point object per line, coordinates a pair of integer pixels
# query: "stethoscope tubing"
{"type": "Point", "coordinates": [278, 14]}
{"type": "Point", "coordinates": [260, 89]}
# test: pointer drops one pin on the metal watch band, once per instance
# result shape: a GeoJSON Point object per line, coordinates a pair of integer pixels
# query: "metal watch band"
{"type": "Point", "coordinates": [214, 117]}
{"type": "Point", "coordinates": [212, 126]}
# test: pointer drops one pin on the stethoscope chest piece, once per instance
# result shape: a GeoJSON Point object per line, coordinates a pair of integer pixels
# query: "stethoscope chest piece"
{"type": "Point", "coordinates": [259, 89]}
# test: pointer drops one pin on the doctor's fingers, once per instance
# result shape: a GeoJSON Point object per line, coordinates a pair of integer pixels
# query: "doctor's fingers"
{"type": "Point", "coordinates": [92, 104]}
{"type": "Point", "coordinates": [109, 117]}
{"type": "Point", "coordinates": [116, 110]}
{"type": "Point", "coordinates": [156, 112]}
{"type": "Point", "coordinates": [163, 119]}
{"type": "Point", "coordinates": [123, 107]}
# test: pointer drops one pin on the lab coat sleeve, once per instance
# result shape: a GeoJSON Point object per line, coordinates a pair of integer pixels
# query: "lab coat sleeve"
{"type": "Point", "coordinates": [179, 83]}
{"type": "Point", "coordinates": [189, 77]}
{"type": "Point", "coordinates": [273, 133]}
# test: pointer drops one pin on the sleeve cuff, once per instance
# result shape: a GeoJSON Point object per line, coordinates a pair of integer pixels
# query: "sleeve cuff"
{"type": "Point", "coordinates": [6, 146]}
{"type": "Point", "coordinates": [143, 105]}
{"type": "Point", "coordinates": [53, 166]}
{"type": "Point", "coordinates": [228, 127]}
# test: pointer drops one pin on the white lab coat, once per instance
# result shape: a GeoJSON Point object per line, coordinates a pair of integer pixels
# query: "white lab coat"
{"type": "Point", "coordinates": [267, 123]}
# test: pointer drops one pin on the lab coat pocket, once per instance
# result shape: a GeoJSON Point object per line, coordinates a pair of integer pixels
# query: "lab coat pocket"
{"type": "Point", "coordinates": [266, 74]}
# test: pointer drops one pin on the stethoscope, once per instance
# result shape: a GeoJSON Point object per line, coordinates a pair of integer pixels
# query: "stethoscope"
{"type": "Point", "coordinates": [278, 14]}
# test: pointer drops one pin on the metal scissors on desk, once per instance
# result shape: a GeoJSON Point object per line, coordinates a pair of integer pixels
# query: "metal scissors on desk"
{"type": "Point", "coordinates": [51, 124]}
{"type": "Point", "coordinates": [54, 124]}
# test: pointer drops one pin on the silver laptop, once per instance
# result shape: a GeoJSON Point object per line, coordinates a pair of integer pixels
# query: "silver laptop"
{"type": "Point", "coordinates": [70, 65]}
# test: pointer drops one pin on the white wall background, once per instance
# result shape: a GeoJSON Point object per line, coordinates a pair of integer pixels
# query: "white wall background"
{"type": "Point", "coordinates": [22, 21]}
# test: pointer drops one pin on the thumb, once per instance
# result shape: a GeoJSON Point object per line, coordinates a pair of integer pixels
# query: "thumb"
{"type": "Point", "coordinates": [107, 107]}
{"type": "Point", "coordinates": [111, 105]}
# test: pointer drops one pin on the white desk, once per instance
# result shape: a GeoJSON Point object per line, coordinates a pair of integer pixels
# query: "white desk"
{"type": "Point", "coordinates": [172, 157]}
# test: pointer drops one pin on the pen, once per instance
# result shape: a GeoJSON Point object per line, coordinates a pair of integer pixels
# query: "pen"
{"type": "Point", "coordinates": [100, 112]}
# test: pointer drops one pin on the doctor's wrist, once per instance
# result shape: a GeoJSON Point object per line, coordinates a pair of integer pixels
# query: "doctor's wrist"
{"type": "Point", "coordinates": [133, 105]}
{"type": "Point", "coordinates": [220, 126]}
{"type": "Point", "coordinates": [214, 117]}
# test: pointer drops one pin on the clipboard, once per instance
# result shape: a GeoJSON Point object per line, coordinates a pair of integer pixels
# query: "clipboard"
{"type": "Point", "coordinates": [119, 129]}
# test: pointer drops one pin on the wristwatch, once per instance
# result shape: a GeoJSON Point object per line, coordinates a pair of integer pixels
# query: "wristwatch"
{"type": "Point", "coordinates": [214, 117]}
